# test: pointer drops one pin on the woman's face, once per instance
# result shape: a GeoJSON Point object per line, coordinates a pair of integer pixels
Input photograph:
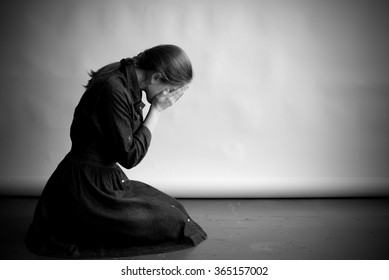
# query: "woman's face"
{"type": "Point", "coordinates": [156, 87]}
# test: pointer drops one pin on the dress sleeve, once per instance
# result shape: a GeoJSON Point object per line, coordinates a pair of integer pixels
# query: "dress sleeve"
{"type": "Point", "coordinates": [127, 138]}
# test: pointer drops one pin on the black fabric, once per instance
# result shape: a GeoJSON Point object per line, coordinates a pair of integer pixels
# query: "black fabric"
{"type": "Point", "coordinates": [89, 208]}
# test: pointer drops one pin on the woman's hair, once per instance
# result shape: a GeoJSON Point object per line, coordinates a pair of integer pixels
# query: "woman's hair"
{"type": "Point", "coordinates": [169, 60]}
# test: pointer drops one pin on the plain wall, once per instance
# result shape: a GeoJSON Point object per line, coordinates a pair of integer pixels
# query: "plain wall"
{"type": "Point", "coordinates": [290, 98]}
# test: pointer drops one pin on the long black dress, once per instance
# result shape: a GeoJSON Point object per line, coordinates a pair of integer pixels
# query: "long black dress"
{"type": "Point", "coordinates": [89, 208]}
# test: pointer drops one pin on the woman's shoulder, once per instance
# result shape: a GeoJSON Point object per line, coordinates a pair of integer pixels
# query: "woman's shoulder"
{"type": "Point", "coordinates": [114, 87]}
{"type": "Point", "coordinates": [114, 81]}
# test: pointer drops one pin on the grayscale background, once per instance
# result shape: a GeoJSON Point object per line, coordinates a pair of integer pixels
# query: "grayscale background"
{"type": "Point", "coordinates": [290, 97]}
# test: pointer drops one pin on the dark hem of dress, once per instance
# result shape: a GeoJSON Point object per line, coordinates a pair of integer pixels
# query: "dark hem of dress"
{"type": "Point", "coordinates": [102, 252]}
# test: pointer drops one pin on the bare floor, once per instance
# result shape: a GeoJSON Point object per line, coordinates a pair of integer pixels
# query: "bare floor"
{"type": "Point", "coordinates": [300, 229]}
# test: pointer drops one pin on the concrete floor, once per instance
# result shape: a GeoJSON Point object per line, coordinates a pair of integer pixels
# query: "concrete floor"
{"type": "Point", "coordinates": [288, 229]}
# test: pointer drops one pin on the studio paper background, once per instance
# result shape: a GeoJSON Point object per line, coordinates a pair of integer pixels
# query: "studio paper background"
{"type": "Point", "coordinates": [290, 97]}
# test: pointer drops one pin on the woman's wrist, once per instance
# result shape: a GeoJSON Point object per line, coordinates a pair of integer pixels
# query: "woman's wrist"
{"type": "Point", "coordinates": [156, 108]}
{"type": "Point", "coordinates": [152, 118]}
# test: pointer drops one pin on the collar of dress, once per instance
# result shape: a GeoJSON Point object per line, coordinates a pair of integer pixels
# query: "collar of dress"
{"type": "Point", "coordinates": [128, 68]}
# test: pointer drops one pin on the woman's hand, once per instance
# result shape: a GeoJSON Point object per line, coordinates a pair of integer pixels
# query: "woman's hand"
{"type": "Point", "coordinates": [165, 99]}
{"type": "Point", "coordinates": [160, 102]}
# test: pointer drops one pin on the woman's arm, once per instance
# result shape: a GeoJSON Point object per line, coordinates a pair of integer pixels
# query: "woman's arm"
{"type": "Point", "coordinates": [152, 119]}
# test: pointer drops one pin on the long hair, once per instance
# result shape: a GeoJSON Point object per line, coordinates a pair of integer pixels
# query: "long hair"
{"type": "Point", "coordinates": [169, 60]}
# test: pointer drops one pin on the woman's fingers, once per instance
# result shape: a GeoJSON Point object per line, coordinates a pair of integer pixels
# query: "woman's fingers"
{"type": "Point", "coordinates": [174, 95]}
{"type": "Point", "coordinates": [180, 91]}
{"type": "Point", "coordinates": [166, 99]}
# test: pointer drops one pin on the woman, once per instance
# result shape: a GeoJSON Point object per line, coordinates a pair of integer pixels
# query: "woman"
{"type": "Point", "coordinates": [89, 208]}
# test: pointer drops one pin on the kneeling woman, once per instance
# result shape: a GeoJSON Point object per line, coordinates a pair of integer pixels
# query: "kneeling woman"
{"type": "Point", "coordinates": [89, 208]}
